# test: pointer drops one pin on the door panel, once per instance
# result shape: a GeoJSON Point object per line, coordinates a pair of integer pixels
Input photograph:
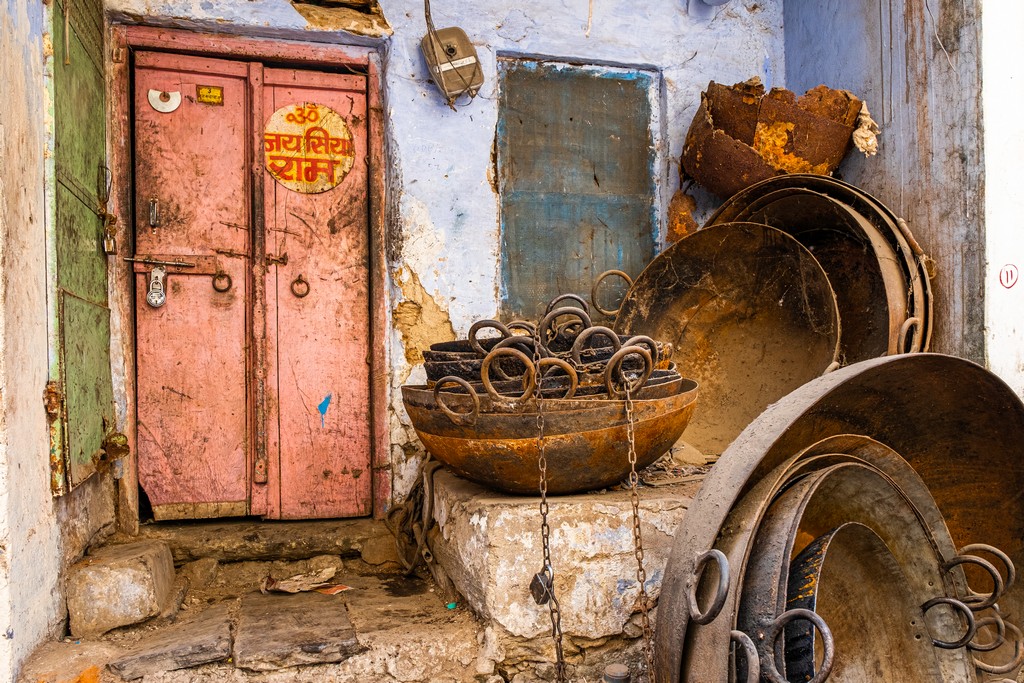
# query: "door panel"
{"type": "Point", "coordinates": [318, 326]}
{"type": "Point", "coordinates": [192, 206]}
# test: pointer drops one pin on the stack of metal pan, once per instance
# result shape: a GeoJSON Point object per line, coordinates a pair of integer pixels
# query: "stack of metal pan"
{"type": "Point", "coordinates": [566, 387]}
{"type": "Point", "coordinates": [843, 536]}
{"type": "Point", "coordinates": [791, 278]}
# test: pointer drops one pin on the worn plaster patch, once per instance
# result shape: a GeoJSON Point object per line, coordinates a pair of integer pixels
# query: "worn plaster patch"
{"type": "Point", "coordinates": [367, 20]}
{"type": "Point", "coordinates": [419, 318]}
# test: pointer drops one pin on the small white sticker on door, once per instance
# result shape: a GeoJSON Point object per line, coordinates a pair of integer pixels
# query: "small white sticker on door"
{"type": "Point", "coordinates": [163, 101]}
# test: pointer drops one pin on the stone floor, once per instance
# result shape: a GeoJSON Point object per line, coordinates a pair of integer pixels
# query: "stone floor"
{"type": "Point", "coordinates": [385, 627]}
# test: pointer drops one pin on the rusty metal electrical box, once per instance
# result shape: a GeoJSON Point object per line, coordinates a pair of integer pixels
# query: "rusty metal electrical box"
{"type": "Point", "coordinates": [453, 63]}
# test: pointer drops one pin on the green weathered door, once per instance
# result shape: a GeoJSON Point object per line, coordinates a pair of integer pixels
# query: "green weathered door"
{"type": "Point", "coordinates": [81, 395]}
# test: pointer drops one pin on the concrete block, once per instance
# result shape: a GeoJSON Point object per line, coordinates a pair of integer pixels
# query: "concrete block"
{"type": "Point", "coordinates": [117, 586]}
{"type": "Point", "coordinates": [490, 546]}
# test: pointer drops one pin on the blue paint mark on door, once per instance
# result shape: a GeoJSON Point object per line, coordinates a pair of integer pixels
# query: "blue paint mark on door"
{"type": "Point", "coordinates": [322, 408]}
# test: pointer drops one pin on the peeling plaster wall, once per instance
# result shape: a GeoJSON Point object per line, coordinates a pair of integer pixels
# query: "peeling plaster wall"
{"type": "Point", "coordinates": [443, 224]}
{"type": "Point", "coordinates": [29, 555]}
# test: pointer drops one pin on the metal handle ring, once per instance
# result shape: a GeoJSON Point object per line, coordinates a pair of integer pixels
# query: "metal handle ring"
{"type": "Point", "coordinates": [965, 610]}
{"type": "Point", "coordinates": [221, 277]}
{"type": "Point", "coordinates": [979, 601]}
{"type": "Point", "coordinates": [300, 287]}
{"type": "Point", "coordinates": [525, 325]}
{"type": "Point", "coordinates": [568, 297]}
{"type": "Point", "coordinates": [574, 378]}
{"type": "Point", "coordinates": [708, 615]}
{"type": "Point", "coordinates": [750, 652]}
{"type": "Point", "coordinates": [1000, 638]}
{"type": "Point", "coordinates": [769, 666]}
{"type": "Point", "coordinates": [516, 341]}
{"type": "Point", "coordinates": [577, 346]}
{"type": "Point", "coordinates": [644, 340]}
{"type": "Point", "coordinates": [457, 418]}
{"type": "Point", "coordinates": [1018, 655]}
{"type": "Point", "coordinates": [615, 368]}
{"type": "Point", "coordinates": [529, 379]}
{"type": "Point", "coordinates": [601, 278]}
{"type": "Point", "coordinates": [484, 324]}
{"type": "Point", "coordinates": [1011, 571]}
{"type": "Point", "coordinates": [904, 336]}
{"type": "Point", "coordinates": [545, 324]}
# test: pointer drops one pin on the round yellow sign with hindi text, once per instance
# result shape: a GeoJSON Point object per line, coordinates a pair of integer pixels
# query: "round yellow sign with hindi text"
{"type": "Point", "coordinates": [308, 147]}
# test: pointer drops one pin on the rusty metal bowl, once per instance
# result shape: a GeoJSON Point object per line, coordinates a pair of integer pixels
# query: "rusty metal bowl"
{"type": "Point", "coordinates": [584, 440]}
{"type": "Point", "coordinates": [750, 315]}
{"type": "Point", "coordinates": [863, 268]}
{"type": "Point", "coordinates": [912, 259]}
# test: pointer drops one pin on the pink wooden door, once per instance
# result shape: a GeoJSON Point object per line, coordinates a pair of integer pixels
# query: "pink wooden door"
{"type": "Point", "coordinates": [318, 301]}
{"type": "Point", "coordinates": [211, 441]}
{"type": "Point", "coordinates": [192, 207]}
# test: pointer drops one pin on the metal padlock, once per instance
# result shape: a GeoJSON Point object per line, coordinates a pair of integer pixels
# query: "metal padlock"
{"type": "Point", "coordinates": [540, 587]}
{"type": "Point", "coordinates": [157, 296]}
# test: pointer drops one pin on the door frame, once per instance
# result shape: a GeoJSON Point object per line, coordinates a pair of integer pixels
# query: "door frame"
{"type": "Point", "coordinates": [123, 40]}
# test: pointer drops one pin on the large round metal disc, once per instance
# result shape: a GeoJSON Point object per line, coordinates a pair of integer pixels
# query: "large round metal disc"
{"type": "Point", "coordinates": [751, 317]}
{"type": "Point", "coordinates": [958, 425]}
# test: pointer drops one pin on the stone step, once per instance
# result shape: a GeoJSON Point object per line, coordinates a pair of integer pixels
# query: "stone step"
{"type": "Point", "coordinates": [201, 640]}
{"type": "Point", "coordinates": [242, 540]}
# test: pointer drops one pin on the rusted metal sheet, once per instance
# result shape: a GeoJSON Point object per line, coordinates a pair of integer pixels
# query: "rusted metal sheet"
{"type": "Point", "coordinates": [575, 160]}
{"type": "Point", "coordinates": [318, 301]}
{"type": "Point", "coordinates": [750, 316]}
{"type": "Point", "coordinates": [191, 200]}
{"type": "Point", "coordinates": [741, 136]}
{"type": "Point", "coordinates": [82, 361]}
{"type": "Point", "coordinates": [958, 426]}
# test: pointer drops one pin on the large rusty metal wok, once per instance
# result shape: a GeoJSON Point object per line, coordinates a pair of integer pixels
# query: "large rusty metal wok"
{"type": "Point", "coordinates": [750, 315]}
{"type": "Point", "coordinates": [584, 440]}
{"type": "Point", "coordinates": [960, 429]}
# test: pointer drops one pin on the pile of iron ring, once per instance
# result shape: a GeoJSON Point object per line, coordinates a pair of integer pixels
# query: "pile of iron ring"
{"type": "Point", "coordinates": [479, 412]}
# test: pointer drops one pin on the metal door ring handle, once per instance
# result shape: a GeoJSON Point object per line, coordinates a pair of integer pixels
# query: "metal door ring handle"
{"type": "Point", "coordinates": [300, 287]}
{"type": "Point", "coordinates": [221, 281]}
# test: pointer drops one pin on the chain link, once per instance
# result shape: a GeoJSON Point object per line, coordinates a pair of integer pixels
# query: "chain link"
{"type": "Point", "coordinates": [554, 609]}
{"type": "Point", "coordinates": [638, 545]}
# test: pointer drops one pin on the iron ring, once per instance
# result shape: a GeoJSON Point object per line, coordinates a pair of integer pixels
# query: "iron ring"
{"type": "Point", "coordinates": [979, 601]}
{"type": "Point", "coordinates": [530, 378]}
{"type": "Point", "coordinates": [300, 287]}
{"type": "Point", "coordinates": [601, 278]}
{"type": "Point", "coordinates": [574, 378]}
{"type": "Point", "coordinates": [965, 610]}
{"type": "Point", "coordinates": [1011, 571]}
{"type": "Point", "coordinates": [1018, 655]}
{"type": "Point", "coordinates": [577, 346]}
{"type": "Point", "coordinates": [615, 367]}
{"type": "Point", "coordinates": [484, 324]}
{"type": "Point", "coordinates": [753, 661]}
{"type": "Point", "coordinates": [567, 297]}
{"type": "Point", "coordinates": [775, 628]}
{"type": "Point", "coordinates": [558, 313]}
{"type": "Point", "coordinates": [707, 616]}
{"type": "Point", "coordinates": [221, 276]}
{"type": "Point", "coordinates": [1000, 638]}
{"type": "Point", "coordinates": [457, 418]}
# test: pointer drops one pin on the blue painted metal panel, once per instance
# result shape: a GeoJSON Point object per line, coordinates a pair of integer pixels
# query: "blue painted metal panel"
{"type": "Point", "coordinates": [576, 177]}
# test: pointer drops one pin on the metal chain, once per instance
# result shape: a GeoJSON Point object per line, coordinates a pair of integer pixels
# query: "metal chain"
{"type": "Point", "coordinates": [638, 544]}
{"type": "Point", "coordinates": [554, 608]}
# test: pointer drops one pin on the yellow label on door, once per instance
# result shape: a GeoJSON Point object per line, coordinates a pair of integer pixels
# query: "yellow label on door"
{"type": "Point", "coordinates": [210, 94]}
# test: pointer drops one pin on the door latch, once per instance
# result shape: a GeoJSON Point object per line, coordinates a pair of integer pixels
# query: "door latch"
{"type": "Point", "coordinates": [157, 295]}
